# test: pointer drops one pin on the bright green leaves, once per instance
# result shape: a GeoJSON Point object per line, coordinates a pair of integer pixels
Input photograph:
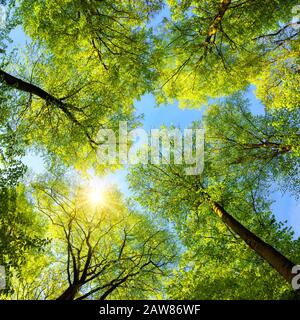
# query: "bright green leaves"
{"type": "Point", "coordinates": [244, 154]}
{"type": "Point", "coordinates": [102, 245]}
{"type": "Point", "coordinates": [267, 144]}
{"type": "Point", "coordinates": [215, 48]}
{"type": "Point", "coordinates": [278, 82]}
{"type": "Point", "coordinates": [110, 37]}
{"type": "Point", "coordinates": [89, 62]}
{"type": "Point", "coordinates": [21, 232]}
{"type": "Point", "coordinates": [94, 60]}
{"type": "Point", "coordinates": [11, 151]}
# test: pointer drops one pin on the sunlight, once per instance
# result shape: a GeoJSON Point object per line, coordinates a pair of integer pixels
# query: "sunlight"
{"type": "Point", "coordinates": [96, 196]}
{"type": "Point", "coordinates": [96, 191]}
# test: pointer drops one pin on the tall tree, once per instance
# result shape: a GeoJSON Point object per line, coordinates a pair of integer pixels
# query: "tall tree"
{"type": "Point", "coordinates": [215, 48]}
{"type": "Point", "coordinates": [21, 233]}
{"type": "Point", "coordinates": [100, 250]}
{"type": "Point", "coordinates": [86, 64]}
{"type": "Point", "coordinates": [186, 200]}
{"type": "Point", "coordinates": [230, 193]}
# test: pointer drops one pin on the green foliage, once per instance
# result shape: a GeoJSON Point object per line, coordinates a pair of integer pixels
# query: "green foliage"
{"type": "Point", "coordinates": [21, 231]}
{"type": "Point", "coordinates": [216, 263]}
{"type": "Point", "coordinates": [265, 145]}
{"type": "Point", "coordinates": [93, 60]}
{"type": "Point", "coordinates": [11, 167]}
{"type": "Point", "coordinates": [214, 50]}
{"type": "Point", "coordinates": [104, 250]}
{"type": "Point", "coordinates": [84, 66]}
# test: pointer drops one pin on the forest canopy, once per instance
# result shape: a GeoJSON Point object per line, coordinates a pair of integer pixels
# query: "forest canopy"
{"type": "Point", "coordinates": [68, 232]}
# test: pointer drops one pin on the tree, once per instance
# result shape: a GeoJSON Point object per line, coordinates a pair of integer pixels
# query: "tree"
{"type": "Point", "coordinates": [21, 232]}
{"type": "Point", "coordinates": [231, 194]}
{"type": "Point", "coordinates": [217, 265]}
{"type": "Point", "coordinates": [84, 68]}
{"type": "Point", "coordinates": [85, 64]}
{"type": "Point", "coordinates": [214, 48]}
{"type": "Point", "coordinates": [100, 251]}
{"type": "Point", "coordinates": [65, 125]}
{"type": "Point", "coordinates": [266, 143]}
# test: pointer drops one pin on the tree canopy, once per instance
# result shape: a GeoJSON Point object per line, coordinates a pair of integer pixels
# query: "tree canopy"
{"type": "Point", "coordinates": [81, 67]}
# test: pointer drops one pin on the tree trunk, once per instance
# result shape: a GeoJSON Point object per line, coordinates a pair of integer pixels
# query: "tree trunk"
{"type": "Point", "coordinates": [69, 294]}
{"type": "Point", "coordinates": [217, 19]}
{"type": "Point", "coordinates": [24, 86]}
{"type": "Point", "coordinates": [278, 261]}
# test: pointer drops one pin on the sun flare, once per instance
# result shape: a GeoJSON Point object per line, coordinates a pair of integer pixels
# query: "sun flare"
{"type": "Point", "coordinates": [96, 196]}
{"type": "Point", "coordinates": [96, 192]}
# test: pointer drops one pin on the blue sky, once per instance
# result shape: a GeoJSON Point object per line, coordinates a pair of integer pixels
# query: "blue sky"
{"type": "Point", "coordinates": [285, 207]}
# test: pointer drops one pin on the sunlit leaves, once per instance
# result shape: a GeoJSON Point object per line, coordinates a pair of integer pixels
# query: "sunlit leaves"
{"type": "Point", "coordinates": [201, 63]}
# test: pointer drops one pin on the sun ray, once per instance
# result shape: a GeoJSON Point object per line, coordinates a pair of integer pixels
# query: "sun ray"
{"type": "Point", "coordinates": [96, 191]}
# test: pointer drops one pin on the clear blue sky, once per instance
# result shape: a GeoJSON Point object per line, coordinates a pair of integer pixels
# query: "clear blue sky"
{"type": "Point", "coordinates": [285, 207]}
